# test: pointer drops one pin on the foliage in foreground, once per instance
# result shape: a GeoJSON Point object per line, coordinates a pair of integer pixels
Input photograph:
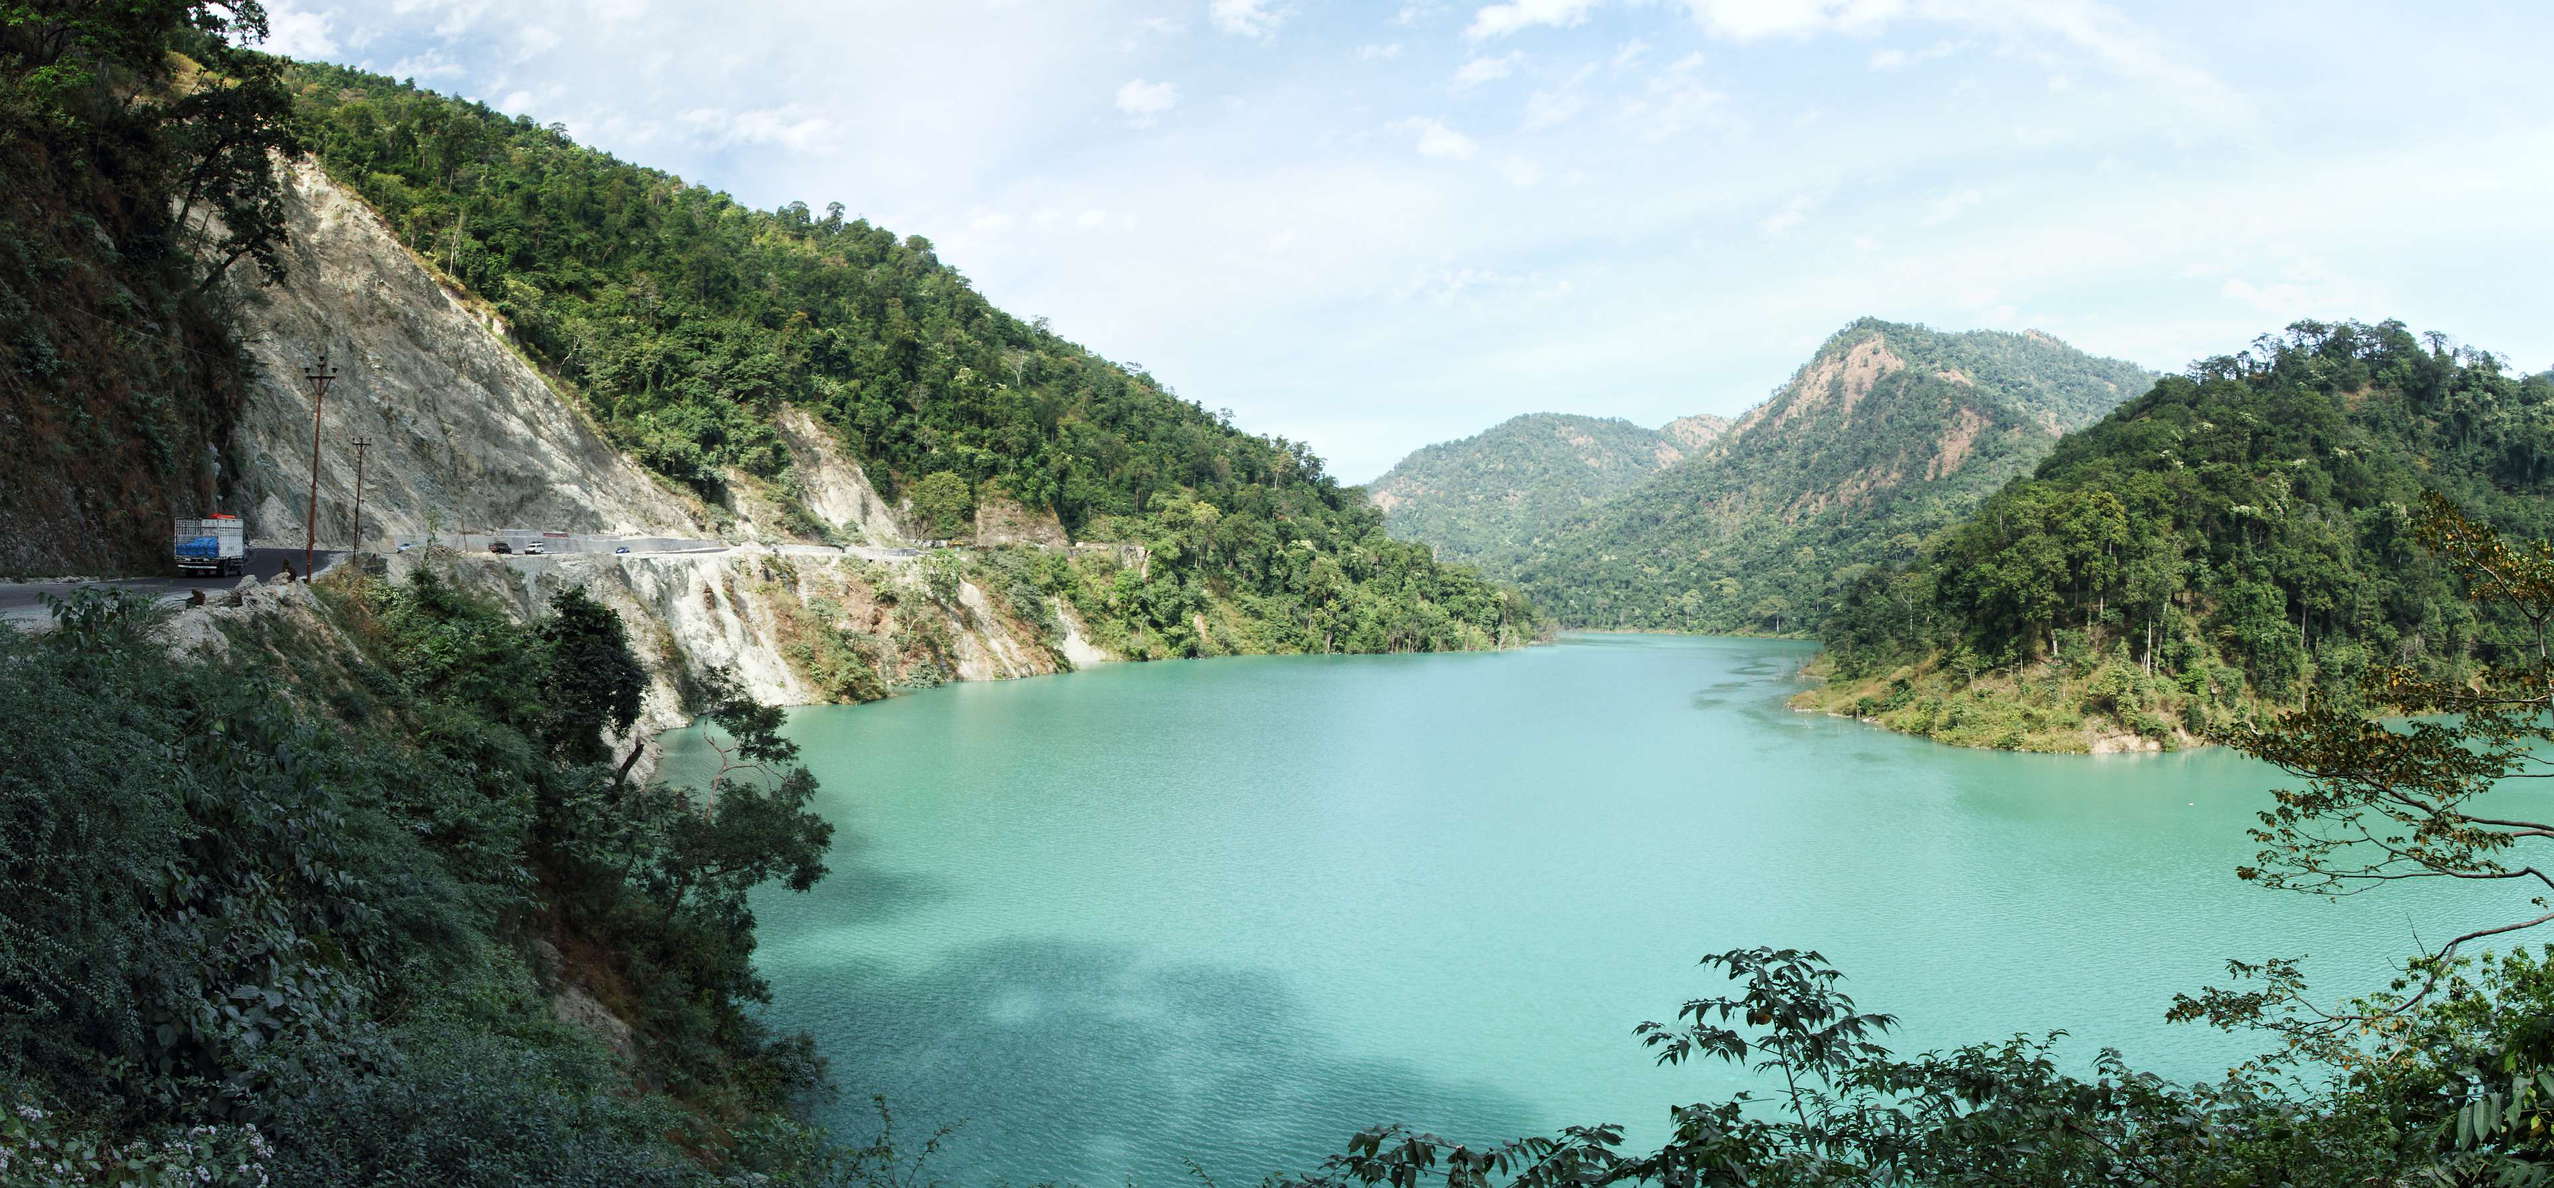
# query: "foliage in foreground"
{"type": "Point", "coordinates": [2459, 1092]}
{"type": "Point", "coordinates": [303, 915]}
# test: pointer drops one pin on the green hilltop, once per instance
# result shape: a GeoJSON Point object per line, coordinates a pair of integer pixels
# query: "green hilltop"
{"type": "Point", "coordinates": [1513, 485]}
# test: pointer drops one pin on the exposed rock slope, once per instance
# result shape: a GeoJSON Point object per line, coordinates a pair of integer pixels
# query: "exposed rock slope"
{"type": "Point", "coordinates": [465, 433]}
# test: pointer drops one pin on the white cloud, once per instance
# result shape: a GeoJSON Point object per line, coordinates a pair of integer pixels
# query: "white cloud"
{"type": "Point", "coordinates": [1899, 59]}
{"type": "Point", "coordinates": [1672, 101]}
{"type": "Point", "coordinates": [452, 18]}
{"type": "Point", "coordinates": [1558, 105]}
{"type": "Point", "coordinates": [1747, 20]}
{"type": "Point", "coordinates": [1143, 102]}
{"type": "Point", "coordinates": [1437, 140]}
{"type": "Point", "coordinates": [1499, 20]}
{"type": "Point", "coordinates": [2087, 26]}
{"type": "Point", "coordinates": [1384, 52]}
{"type": "Point", "coordinates": [615, 12]}
{"type": "Point", "coordinates": [789, 126]}
{"type": "Point", "coordinates": [1482, 70]}
{"type": "Point", "coordinates": [1947, 207]}
{"type": "Point", "coordinates": [1521, 171]}
{"type": "Point", "coordinates": [2312, 293]}
{"type": "Point", "coordinates": [534, 41]}
{"type": "Point", "coordinates": [1791, 214]}
{"type": "Point", "coordinates": [1246, 18]}
{"type": "Point", "coordinates": [295, 33]}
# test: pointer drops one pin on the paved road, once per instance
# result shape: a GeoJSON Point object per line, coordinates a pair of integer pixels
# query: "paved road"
{"type": "Point", "coordinates": [25, 600]}
{"type": "Point", "coordinates": [564, 543]}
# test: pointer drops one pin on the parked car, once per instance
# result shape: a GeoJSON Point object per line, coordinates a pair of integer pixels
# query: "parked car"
{"type": "Point", "coordinates": [622, 549]}
{"type": "Point", "coordinates": [499, 546]}
{"type": "Point", "coordinates": [534, 549]}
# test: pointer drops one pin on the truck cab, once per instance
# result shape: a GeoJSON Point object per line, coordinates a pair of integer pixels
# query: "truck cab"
{"type": "Point", "coordinates": [211, 546]}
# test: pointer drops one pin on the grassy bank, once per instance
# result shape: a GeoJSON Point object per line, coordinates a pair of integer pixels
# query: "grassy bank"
{"type": "Point", "coordinates": [2078, 701]}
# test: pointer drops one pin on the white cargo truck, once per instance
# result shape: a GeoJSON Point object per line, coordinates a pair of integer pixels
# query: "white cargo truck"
{"type": "Point", "coordinates": [214, 546]}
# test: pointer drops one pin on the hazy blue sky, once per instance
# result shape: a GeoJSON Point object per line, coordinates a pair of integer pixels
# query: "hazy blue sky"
{"type": "Point", "coordinates": [1375, 224]}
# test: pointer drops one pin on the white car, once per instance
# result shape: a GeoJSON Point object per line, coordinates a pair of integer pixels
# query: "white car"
{"type": "Point", "coordinates": [534, 549]}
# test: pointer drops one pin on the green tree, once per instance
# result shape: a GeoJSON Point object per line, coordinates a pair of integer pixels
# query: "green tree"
{"type": "Point", "coordinates": [749, 826]}
{"type": "Point", "coordinates": [2384, 803]}
{"type": "Point", "coordinates": [592, 683]}
{"type": "Point", "coordinates": [944, 504]}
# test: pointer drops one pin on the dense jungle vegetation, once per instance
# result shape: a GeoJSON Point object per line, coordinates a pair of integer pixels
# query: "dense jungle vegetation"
{"type": "Point", "coordinates": [1887, 434]}
{"type": "Point", "coordinates": [685, 321]}
{"type": "Point", "coordinates": [2238, 536]}
{"type": "Point", "coordinates": [323, 909]}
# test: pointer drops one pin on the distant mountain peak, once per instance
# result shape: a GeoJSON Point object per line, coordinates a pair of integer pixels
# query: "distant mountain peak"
{"type": "Point", "coordinates": [1887, 432]}
{"type": "Point", "coordinates": [1521, 478]}
{"type": "Point", "coordinates": [1694, 432]}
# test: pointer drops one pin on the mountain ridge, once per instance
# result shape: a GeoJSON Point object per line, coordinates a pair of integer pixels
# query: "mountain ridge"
{"type": "Point", "coordinates": [1525, 475]}
{"type": "Point", "coordinates": [1880, 437]}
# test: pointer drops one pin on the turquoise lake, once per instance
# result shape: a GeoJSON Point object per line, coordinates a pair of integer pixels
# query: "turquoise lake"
{"type": "Point", "coordinates": [1234, 910]}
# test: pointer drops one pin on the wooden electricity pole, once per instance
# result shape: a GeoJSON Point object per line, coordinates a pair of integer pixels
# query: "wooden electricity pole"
{"type": "Point", "coordinates": [361, 444]}
{"type": "Point", "coordinates": [319, 376]}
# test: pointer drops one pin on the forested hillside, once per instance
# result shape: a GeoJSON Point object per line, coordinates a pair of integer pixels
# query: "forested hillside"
{"type": "Point", "coordinates": [2240, 536]}
{"type": "Point", "coordinates": [133, 145]}
{"type": "Point", "coordinates": [686, 322]}
{"type": "Point", "coordinates": [1507, 488]}
{"type": "Point", "coordinates": [1888, 433]}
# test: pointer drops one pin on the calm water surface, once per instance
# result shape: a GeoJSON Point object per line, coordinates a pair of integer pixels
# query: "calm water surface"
{"type": "Point", "coordinates": [1235, 910]}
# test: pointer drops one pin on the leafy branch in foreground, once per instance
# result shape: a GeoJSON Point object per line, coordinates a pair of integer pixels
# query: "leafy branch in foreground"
{"type": "Point", "coordinates": [1852, 1114]}
{"type": "Point", "coordinates": [2386, 803]}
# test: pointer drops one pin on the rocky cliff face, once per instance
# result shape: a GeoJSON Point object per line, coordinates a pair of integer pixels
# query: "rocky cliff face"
{"type": "Point", "coordinates": [793, 628]}
{"type": "Point", "coordinates": [834, 487]}
{"type": "Point", "coordinates": [465, 433]}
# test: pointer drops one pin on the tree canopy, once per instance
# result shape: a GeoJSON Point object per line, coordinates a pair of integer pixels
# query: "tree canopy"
{"type": "Point", "coordinates": [2243, 533]}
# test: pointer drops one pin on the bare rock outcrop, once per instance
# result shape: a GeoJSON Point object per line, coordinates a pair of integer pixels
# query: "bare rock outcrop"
{"type": "Point", "coordinates": [466, 434]}
{"type": "Point", "coordinates": [834, 486]}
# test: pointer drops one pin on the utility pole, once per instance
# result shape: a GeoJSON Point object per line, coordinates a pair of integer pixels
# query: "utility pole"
{"type": "Point", "coordinates": [319, 375]}
{"type": "Point", "coordinates": [361, 444]}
